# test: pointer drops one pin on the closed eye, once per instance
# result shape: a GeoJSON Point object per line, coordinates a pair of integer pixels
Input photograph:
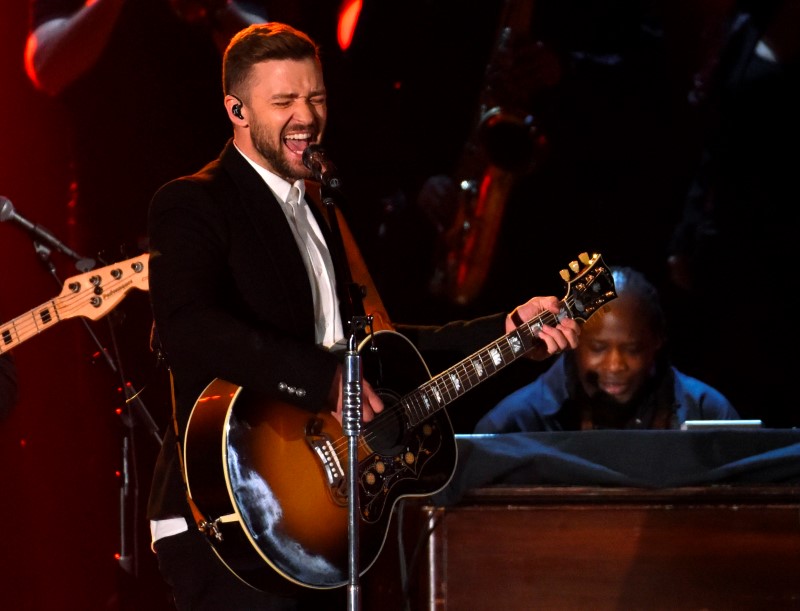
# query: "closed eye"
{"type": "Point", "coordinates": [287, 101]}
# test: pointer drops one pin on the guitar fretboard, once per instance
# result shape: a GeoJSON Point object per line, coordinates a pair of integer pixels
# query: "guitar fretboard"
{"type": "Point", "coordinates": [28, 325]}
{"type": "Point", "coordinates": [478, 367]}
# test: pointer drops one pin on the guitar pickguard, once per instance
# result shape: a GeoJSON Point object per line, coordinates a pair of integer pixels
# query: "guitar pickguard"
{"type": "Point", "coordinates": [404, 459]}
{"type": "Point", "coordinates": [380, 474]}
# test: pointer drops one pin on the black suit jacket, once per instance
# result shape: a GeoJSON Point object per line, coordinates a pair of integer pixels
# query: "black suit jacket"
{"type": "Point", "coordinates": [231, 300]}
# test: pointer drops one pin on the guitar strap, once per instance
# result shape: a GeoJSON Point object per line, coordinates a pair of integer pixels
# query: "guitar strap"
{"type": "Point", "coordinates": [359, 274]}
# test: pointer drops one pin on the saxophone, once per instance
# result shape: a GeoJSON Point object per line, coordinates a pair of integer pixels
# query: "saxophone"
{"type": "Point", "coordinates": [503, 146]}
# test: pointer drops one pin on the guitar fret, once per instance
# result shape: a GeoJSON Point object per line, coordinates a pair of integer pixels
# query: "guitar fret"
{"type": "Point", "coordinates": [456, 380]}
{"type": "Point", "coordinates": [439, 390]}
{"type": "Point", "coordinates": [424, 404]}
{"type": "Point", "coordinates": [504, 350]}
{"type": "Point", "coordinates": [452, 383]}
{"type": "Point", "coordinates": [428, 405]}
{"type": "Point", "coordinates": [10, 336]}
{"type": "Point", "coordinates": [45, 316]}
{"type": "Point", "coordinates": [432, 399]}
{"type": "Point", "coordinates": [516, 344]}
{"type": "Point", "coordinates": [488, 365]}
{"type": "Point", "coordinates": [495, 357]}
{"type": "Point", "coordinates": [458, 377]}
{"type": "Point", "coordinates": [469, 377]}
{"type": "Point", "coordinates": [477, 367]}
{"type": "Point", "coordinates": [410, 404]}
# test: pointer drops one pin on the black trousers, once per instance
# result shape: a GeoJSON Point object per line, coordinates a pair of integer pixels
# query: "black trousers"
{"type": "Point", "coordinates": [201, 582]}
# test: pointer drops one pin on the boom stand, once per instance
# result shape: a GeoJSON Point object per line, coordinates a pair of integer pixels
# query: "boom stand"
{"type": "Point", "coordinates": [128, 559]}
{"type": "Point", "coordinates": [351, 424]}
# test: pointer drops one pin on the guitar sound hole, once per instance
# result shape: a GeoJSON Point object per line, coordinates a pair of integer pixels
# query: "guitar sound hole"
{"type": "Point", "coordinates": [386, 433]}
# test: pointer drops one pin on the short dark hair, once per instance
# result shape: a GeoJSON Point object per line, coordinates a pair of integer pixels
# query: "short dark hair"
{"type": "Point", "coordinates": [629, 280]}
{"type": "Point", "coordinates": [261, 42]}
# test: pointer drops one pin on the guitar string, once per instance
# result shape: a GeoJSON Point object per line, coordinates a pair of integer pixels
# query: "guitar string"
{"type": "Point", "coordinates": [444, 381]}
{"type": "Point", "coordinates": [62, 307]}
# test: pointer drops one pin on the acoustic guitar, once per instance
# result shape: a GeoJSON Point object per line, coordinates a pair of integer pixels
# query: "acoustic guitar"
{"type": "Point", "coordinates": [269, 480]}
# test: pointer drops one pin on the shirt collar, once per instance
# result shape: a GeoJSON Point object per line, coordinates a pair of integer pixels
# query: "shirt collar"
{"type": "Point", "coordinates": [279, 186]}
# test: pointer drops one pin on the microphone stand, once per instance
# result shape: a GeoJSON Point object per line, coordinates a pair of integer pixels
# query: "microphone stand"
{"type": "Point", "coordinates": [127, 561]}
{"type": "Point", "coordinates": [351, 424]}
{"type": "Point", "coordinates": [350, 294]}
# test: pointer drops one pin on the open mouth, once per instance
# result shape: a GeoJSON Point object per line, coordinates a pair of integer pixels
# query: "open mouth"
{"type": "Point", "coordinates": [613, 389]}
{"type": "Point", "coordinates": [297, 143]}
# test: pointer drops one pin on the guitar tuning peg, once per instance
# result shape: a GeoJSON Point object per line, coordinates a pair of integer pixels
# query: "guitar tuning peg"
{"type": "Point", "coordinates": [565, 275]}
{"type": "Point", "coordinates": [574, 266]}
{"type": "Point", "coordinates": [584, 258]}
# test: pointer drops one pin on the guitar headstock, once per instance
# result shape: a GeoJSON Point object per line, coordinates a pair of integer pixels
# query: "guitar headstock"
{"type": "Point", "coordinates": [96, 292]}
{"type": "Point", "coordinates": [590, 285]}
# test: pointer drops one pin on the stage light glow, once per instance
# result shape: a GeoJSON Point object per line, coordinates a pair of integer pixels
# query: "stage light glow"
{"type": "Point", "coordinates": [348, 19]}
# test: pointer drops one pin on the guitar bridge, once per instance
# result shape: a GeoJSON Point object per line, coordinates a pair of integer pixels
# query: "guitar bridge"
{"type": "Point", "coordinates": [331, 466]}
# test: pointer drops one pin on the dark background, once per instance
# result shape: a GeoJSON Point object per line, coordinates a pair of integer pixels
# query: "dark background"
{"type": "Point", "coordinates": [623, 148]}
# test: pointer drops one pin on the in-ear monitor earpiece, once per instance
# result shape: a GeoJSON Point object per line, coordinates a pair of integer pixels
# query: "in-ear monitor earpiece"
{"type": "Point", "coordinates": [236, 109]}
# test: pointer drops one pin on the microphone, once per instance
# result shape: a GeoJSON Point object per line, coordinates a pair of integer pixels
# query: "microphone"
{"type": "Point", "coordinates": [7, 213]}
{"type": "Point", "coordinates": [315, 159]}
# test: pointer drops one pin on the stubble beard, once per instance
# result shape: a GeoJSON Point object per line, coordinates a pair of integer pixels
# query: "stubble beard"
{"type": "Point", "coordinates": [276, 157]}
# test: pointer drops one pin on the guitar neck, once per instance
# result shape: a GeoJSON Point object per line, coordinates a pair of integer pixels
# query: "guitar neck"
{"type": "Point", "coordinates": [462, 377]}
{"type": "Point", "coordinates": [28, 325]}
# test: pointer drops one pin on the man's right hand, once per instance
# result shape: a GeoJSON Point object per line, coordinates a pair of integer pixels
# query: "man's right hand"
{"type": "Point", "coordinates": [371, 403]}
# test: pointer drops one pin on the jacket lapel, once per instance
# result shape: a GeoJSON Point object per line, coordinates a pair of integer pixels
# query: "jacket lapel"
{"type": "Point", "coordinates": [277, 247]}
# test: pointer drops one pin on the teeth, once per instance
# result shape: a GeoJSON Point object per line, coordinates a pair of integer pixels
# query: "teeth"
{"type": "Point", "coordinates": [298, 137]}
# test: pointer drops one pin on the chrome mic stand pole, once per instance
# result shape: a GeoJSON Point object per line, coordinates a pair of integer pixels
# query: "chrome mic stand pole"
{"type": "Point", "coordinates": [351, 295]}
{"type": "Point", "coordinates": [351, 424]}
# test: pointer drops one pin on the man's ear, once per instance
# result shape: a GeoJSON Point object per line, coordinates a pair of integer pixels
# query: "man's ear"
{"type": "Point", "coordinates": [234, 106]}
